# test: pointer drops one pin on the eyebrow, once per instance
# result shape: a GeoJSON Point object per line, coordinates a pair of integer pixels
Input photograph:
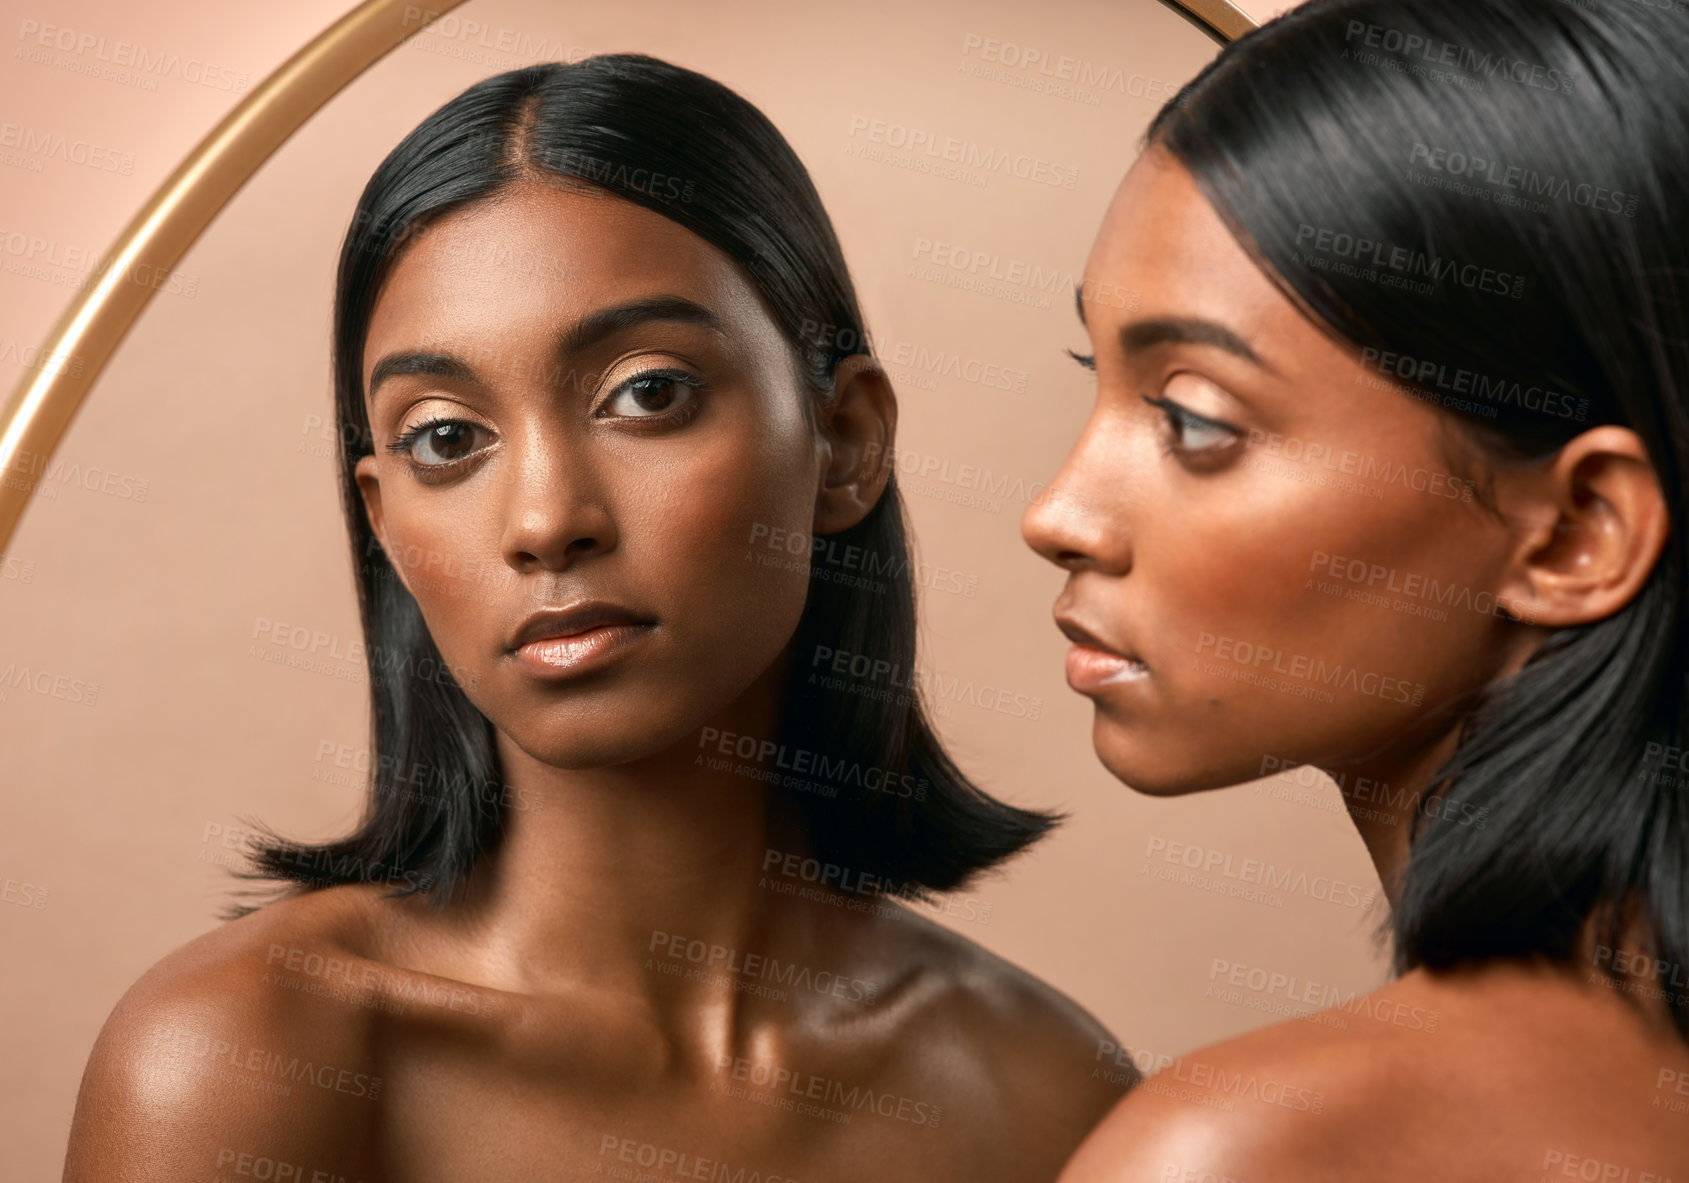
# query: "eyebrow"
{"type": "Point", "coordinates": [590, 330]}
{"type": "Point", "coordinates": [1181, 330]}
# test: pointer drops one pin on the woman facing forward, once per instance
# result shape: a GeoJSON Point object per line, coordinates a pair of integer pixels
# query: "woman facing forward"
{"type": "Point", "coordinates": [624, 901]}
{"type": "Point", "coordinates": [1387, 470]}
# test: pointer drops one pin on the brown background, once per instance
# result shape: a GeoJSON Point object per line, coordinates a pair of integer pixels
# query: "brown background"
{"type": "Point", "coordinates": [119, 808]}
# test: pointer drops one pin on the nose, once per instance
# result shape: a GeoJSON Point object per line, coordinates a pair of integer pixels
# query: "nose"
{"type": "Point", "coordinates": [1078, 522]}
{"type": "Point", "coordinates": [556, 507]}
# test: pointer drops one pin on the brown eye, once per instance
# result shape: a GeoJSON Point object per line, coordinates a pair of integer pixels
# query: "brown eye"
{"type": "Point", "coordinates": [653, 394]}
{"type": "Point", "coordinates": [438, 442]}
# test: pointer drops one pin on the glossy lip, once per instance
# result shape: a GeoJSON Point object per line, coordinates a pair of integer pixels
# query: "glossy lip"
{"type": "Point", "coordinates": [557, 642]}
{"type": "Point", "coordinates": [1092, 663]}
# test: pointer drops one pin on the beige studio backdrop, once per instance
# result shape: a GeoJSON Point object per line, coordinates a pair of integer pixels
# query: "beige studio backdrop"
{"type": "Point", "coordinates": [187, 534]}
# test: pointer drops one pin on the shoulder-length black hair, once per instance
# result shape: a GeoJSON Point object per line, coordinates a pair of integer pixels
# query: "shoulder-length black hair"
{"type": "Point", "coordinates": [881, 801]}
{"type": "Point", "coordinates": [1485, 198]}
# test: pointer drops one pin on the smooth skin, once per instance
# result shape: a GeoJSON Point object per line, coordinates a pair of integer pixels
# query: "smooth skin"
{"type": "Point", "coordinates": [553, 1025]}
{"type": "Point", "coordinates": [1203, 536]}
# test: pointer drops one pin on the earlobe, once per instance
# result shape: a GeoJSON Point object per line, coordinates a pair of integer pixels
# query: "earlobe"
{"type": "Point", "coordinates": [1601, 525]}
{"type": "Point", "coordinates": [858, 432]}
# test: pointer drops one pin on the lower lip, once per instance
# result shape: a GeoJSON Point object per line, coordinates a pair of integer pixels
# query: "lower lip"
{"type": "Point", "coordinates": [558, 657]}
{"type": "Point", "coordinates": [1090, 669]}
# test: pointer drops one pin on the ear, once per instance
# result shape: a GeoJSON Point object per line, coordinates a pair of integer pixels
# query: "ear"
{"type": "Point", "coordinates": [366, 473]}
{"type": "Point", "coordinates": [1596, 525]}
{"type": "Point", "coordinates": [857, 434]}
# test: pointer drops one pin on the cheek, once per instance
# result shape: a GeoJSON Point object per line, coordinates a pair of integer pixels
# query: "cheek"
{"type": "Point", "coordinates": [1322, 604]}
{"type": "Point", "coordinates": [446, 551]}
{"type": "Point", "coordinates": [723, 537]}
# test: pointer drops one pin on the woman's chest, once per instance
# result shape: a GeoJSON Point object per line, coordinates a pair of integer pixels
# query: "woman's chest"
{"type": "Point", "coordinates": [462, 1115]}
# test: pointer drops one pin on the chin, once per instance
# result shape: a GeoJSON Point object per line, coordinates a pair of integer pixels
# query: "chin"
{"type": "Point", "coordinates": [1151, 774]}
{"type": "Point", "coordinates": [596, 739]}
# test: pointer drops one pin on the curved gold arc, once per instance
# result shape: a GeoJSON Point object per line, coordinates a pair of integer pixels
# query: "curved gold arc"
{"type": "Point", "coordinates": [1219, 19]}
{"type": "Point", "coordinates": [39, 410]}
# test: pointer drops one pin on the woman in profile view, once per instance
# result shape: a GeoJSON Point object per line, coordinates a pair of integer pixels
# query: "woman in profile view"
{"type": "Point", "coordinates": [628, 897]}
{"type": "Point", "coordinates": [1387, 473]}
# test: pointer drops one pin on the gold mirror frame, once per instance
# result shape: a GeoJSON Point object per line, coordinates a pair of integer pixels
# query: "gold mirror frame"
{"type": "Point", "coordinates": [40, 408]}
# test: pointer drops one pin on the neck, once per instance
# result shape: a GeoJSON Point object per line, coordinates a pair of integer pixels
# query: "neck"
{"type": "Point", "coordinates": [605, 872]}
{"type": "Point", "coordinates": [1386, 792]}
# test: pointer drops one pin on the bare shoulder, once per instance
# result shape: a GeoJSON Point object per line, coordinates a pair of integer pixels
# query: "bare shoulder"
{"type": "Point", "coordinates": [1013, 1035]}
{"type": "Point", "coordinates": [1276, 1103]}
{"type": "Point", "coordinates": [1500, 1073]}
{"type": "Point", "coordinates": [210, 1057]}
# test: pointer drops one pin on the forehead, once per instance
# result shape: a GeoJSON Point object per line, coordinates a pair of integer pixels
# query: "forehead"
{"type": "Point", "coordinates": [540, 255]}
{"type": "Point", "coordinates": [1161, 238]}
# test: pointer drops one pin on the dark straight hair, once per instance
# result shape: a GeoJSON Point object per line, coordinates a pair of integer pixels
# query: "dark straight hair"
{"type": "Point", "coordinates": [879, 798]}
{"type": "Point", "coordinates": [1484, 198]}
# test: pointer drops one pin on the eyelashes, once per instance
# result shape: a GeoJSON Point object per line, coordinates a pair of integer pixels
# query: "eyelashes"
{"type": "Point", "coordinates": [433, 429]}
{"type": "Point", "coordinates": [630, 402]}
{"type": "Point", "coordinates": [1188, 435]}
{"type": "Point", "coordinates": [1191, 434]}
{"type": "Point", "coordinates": [642, 384]}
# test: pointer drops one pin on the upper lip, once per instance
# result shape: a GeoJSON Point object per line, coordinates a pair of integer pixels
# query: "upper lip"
{"type": "Point", "coordinates": [1079, 634]}
{"type": "Point", "coordinates": [573, 618]}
